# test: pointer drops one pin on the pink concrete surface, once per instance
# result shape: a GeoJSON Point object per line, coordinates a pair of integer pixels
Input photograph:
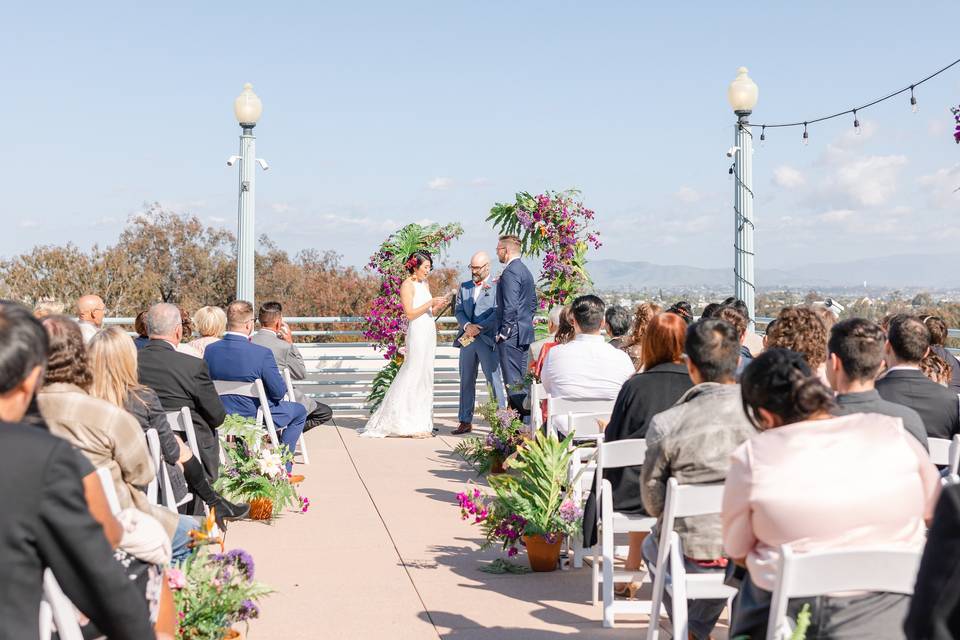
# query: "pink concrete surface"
{"type": "Point", "coordinates": [382, 553]}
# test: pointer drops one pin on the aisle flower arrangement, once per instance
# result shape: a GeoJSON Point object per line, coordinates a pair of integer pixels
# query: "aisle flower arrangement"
{"type": "Point", "coordinates": [531, 506]}
{"type": "Point", "coordinates": [385, 323]}
{"type": "Point", "coordinates": [256, 474]}
{"type": "Point", "coordinates": [489, 453]}
{"type": "Point", "coordinates": [558, 227]}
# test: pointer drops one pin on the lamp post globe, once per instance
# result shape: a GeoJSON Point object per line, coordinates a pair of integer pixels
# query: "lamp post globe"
{"type": "Point", "coordinates": [247, 108]}
{"type": "Point", "coordinates": [743, 92]}
{"type": "Point", "coordinates": [742, 96]}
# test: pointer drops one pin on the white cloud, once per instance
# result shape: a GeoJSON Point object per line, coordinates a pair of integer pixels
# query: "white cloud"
{"type": "Point", "coordinates": [870, 181]}
{"type": "Point", "coordinates": [281, 207]}
{"type": "Point", "coordinates": [836, 215]}
{"type": "Point", "coordinates": [687, 195]}
{"type": "Point", "coordinates": [105, 221]}
{"type": "Point", "coordinates": [440, 184]}
{"type": "Point", "coordinates": [481, 182]}
{"type": "Point", "coordinates": [28, 224]}
{"type": "Point", "coordinates": [788, 177]}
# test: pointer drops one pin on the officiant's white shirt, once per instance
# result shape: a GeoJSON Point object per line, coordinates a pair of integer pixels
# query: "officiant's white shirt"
{"type": "Point", "coordinates": [587, 367]}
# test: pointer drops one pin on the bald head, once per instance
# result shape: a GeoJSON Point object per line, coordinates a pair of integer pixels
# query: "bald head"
{"type": "Point", "coordinates": [90, 309]}
{"type": "Point", "coordinates": [480, 266]}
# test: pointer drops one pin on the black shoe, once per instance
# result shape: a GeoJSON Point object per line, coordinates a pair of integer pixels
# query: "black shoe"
{"type": "Point", "coordinates": [225, 510]}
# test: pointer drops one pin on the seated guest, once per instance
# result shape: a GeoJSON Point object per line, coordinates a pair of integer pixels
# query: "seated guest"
{"type": "Point", "coordinates": [710, 309]}
{"type": "Point", "coordinates": [211, 323]}
{"type": "Point", "coordinates": [46, 521]}
{"type": "Point", "coordinates": [90, 310]}
{"type": "Point", "coordinates": [275, 335]}
{"type": "Point", "coordinates": [587, 367]}
{"type": "Point", "coordinates": [140, 326]}
{"type": "Point", "coordinates": [936, 369]}
{"type": "Point", "coordinates": [738, 321]}
{"type": "Point", "coordinates": [935, 606]}
{"type": "Point", "coordinates": [181, 381]}
{"type": "Point", "coordinates": [187, 323]}
{"type": "Point", "coordinates": [938, 345]}
{"type": "Point", "coordinates": [618, 324]}
{"type": "Point", "coordinates": [751, 340]}
{"type": "Point", "coordinates": [908, 341]}
{"type": "Point", "coordinates": [766, 333]}
{"type": "Point", "coordinates": [553, 323]}
{"type": "Point", "coordinates": [563, 334]}
{"type": "Point", "coordinates": [819, 482]}
{"type": "Point", "coordinates": [113, 362]}
{"type": "Point", "coordinates": [682, 309]}
{"type": "Point", "coordinates": [48, 307]}
{"type": "Point", "coordinates": [692, 442]}
{"type": "Point", "coordinates": [799, 329]}
{"type": "Point", "coordinates": [664, 380]}
{"type": "Point", "coordinates": [856, 355]}
{"type": "Point", "coordinates": [235, 358]}
{"type": "Point", "coordinates": [641, 319]}
{"type": "Point", "coordinates": [107, 435]}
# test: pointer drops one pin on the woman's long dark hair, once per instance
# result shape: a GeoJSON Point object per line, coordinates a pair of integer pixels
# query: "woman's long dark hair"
{"type": "Point", "coordinates": [780, 381]}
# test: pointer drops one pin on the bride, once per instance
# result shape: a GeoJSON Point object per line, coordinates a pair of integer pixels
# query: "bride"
{"type": "Point", "coordinates": [407, 408]}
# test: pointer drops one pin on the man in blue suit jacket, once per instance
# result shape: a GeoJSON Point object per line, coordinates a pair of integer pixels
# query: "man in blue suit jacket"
{"type": "Point", "coordinates": [235, 358]}
{"type": "Point", "coordinates": [516, 304]}
{"type": "Point", "coordinates": [476, 315]}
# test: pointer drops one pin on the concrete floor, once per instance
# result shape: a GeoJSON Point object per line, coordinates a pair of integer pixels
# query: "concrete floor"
{"type": "Point", "coordinates": [382, 553]}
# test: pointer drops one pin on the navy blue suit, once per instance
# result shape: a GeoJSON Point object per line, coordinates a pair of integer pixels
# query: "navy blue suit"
{"type": "Point", "coordinates": [516, 304]}
{"type": "Point", "coordinates": [235, 358]}
{"type": "Point", "coordinates": [482, 351]}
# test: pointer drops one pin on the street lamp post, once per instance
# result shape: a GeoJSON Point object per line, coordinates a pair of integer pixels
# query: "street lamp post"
{"type": "Point", "coordinates": [247, 108]}
{"type": "Point", "coordinates": [742, 95]}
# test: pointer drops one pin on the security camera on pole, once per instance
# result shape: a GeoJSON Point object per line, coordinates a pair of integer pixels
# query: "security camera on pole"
{"type": "Point", "coordinates": [742, 95]}
{"type": "Point", "coordinates": [247, 108]}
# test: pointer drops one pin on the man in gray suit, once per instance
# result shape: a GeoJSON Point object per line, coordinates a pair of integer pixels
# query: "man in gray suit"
{"type": "Point", "coordinates": [476, 313]}
{"type": "Point", "coordinates": [275, 335]}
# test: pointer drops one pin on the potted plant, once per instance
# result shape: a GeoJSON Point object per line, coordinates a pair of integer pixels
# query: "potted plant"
{"type": "Point", "coordinates": [257, 475]}
{"type": "Point", "coordinates": [530, 506]}
{"type": "Point", "coordinates": [488, 453]}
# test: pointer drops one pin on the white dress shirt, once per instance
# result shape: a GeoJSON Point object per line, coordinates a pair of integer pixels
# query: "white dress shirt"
{"type": "Point", "coordinates": [587, 367]}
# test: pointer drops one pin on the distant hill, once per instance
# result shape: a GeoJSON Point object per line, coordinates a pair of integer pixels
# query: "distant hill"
{"type": "Point", "coordinates": [925, 271]}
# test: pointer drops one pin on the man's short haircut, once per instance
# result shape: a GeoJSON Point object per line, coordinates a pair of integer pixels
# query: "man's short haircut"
{"type": "Point", "coordinates": [512, 240]}
{"type": "Point", "coordinates": [618, 320]}
{"type": "Point", "coordinates": [713, 346]}
{"type": "Point", "coordinates": [239, 312]}
{"type": "Point", "coordinates": [555, 315]}
{"type": "Point", "coordinates": [269, 313]}
{"type": "Point", "coordinates": [909, 338]}
{"type": "Point", "coordinates": [732, 316]}
{"type": "Point", "coordinates": [710, 310]}
{"type": "Point", "coordinates": [23, 345]}
{"type": "Point", "coordinates": [938, 329]}
{"type": "Point", "coordinates": [858, 343]}
{"type": "Point", "coordinates": [588, 313]}
{"type": "Point", "coordinates": [162, 319]}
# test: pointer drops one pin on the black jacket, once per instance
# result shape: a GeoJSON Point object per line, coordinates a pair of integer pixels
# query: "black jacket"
{"type": "Point", "coordinates": [938, 406]}
{"type": "Point", "coordinates": [181, 380]}
{"type": "Point", "coordinates": [46, 524]}
{"type": "Point", "coordinates": [935, 607]}
{"type": "Point", "coordinates": [871, 402]}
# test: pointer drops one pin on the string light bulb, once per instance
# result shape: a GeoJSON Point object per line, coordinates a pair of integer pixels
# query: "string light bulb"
{"type": "Point", "coordinates": [857, 129]}
{"type": "Point", "coordinates": [913, 101]}
{"type": "Point", "coordinates": [730, 172]}
{"type": "Point", "coordinates": [806, 136]}
{"type": "Point", "coordinates": [763, 135]}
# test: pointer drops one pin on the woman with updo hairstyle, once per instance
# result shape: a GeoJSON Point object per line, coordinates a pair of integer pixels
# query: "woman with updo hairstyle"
{"type": "Point", "coordinates": [407, 407]}
{"type": "Point", "coordinates": [939, 334]}
{"type": "Point", "coordinates": [820, 483]}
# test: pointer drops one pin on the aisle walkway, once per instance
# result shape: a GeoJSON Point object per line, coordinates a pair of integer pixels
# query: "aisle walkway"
{"type": "Point", "coordinates": [383, 554]}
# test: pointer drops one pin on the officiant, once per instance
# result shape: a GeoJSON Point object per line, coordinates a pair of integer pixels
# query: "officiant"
{"type": "Point", "coordinates": [476, 313]}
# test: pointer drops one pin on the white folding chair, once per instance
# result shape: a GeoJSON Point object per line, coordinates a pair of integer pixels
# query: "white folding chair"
{"type": "Point", "coordinates": [182, 422]}
{"type": "Point", "coordinates": [684, 500]}
{"type": "Point", "coordinates": [106, 479]}
{"type": "Point", "coordinates": [56, 608]}
{"type": "Point", "coordinates": [252, 390]}
{"type": "Point", "coordinates": [580, 477]}
{"type": "Point", "coordinates": [816, 573]}
{"type": "Point", "coordinates": [162, 479]}
{"type": "Point", "coordinates": [291, 397]}
{"type": "Point", "coordinates": [537, 393]}
{"type": "Point", "coordinates": [945, 453]}
{"type": "Point", "coordinates": [577, 414]}
{"type": "Point", "coordinates": [612, 455]}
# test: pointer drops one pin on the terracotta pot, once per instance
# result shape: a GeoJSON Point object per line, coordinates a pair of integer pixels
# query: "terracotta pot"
{"type": "Point", "coordinates": [261, 509]}
{"type": "Point", "coordinates": [230, 633]}
{"type": "Point", "coordinates": [497, 466]}
{"type": "Point", "coordinates": [542, 555]}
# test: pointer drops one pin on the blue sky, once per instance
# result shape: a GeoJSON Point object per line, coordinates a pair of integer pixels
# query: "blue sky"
{"type": "Point", "coordinates": [378, 114]}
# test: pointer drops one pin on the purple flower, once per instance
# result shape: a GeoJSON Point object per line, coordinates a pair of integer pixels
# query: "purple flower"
{"type": "Point", "coordinates": [248, 610]}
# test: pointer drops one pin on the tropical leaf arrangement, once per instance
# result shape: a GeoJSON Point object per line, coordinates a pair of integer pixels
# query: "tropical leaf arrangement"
{"type": "Point", "coordinates": [506, 434]}
{"type": "Point", "coordinates": [254, 472]}
{"type": "Point", "coordinates": [558, 227]}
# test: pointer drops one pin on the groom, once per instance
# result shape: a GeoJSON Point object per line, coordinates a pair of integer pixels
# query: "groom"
{"type": "Point", "coordinates": [516, 304]}
{"type": "Point", "coordinates": [477, 319]}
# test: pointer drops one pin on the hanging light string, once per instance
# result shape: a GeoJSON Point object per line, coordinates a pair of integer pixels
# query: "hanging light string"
{"type": "Point", "coordinates": [856, 121]}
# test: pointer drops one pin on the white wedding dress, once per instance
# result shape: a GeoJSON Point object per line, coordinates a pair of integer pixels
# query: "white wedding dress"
{"type": "Point", "coordinates": [407, 409]}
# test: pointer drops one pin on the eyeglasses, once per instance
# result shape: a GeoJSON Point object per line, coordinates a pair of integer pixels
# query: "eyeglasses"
{"type": "Point", "coordinates": [478, 268]}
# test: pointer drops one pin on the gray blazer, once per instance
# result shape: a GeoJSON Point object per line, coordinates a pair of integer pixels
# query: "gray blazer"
{"type": "Point", "coordinates": [288, 357]}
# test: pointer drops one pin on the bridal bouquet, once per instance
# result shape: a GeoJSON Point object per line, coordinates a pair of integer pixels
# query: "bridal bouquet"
{"type": "Point", "coordinates": [489, 453]}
